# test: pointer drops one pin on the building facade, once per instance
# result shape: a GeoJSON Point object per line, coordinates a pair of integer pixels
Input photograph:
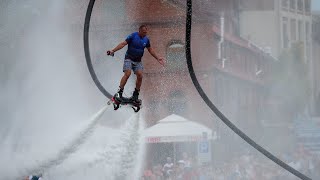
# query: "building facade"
{"type": "Point", "coordinates": [275, 25]}
{"type": "Point", "coordinates": [231, 70]}
{"type": "Point", "coordinates": [316, 63]}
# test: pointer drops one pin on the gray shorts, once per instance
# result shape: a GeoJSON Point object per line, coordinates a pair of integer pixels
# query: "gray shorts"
{"type": "Point", "coordinates": [135, 66]}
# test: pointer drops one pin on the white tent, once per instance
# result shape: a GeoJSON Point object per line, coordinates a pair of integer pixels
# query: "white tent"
{"type": "Point", "coordinates": [175, 128]}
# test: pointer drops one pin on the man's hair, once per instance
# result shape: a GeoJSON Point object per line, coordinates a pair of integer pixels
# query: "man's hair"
{"type": "Point", "coordinates": [142, 26]}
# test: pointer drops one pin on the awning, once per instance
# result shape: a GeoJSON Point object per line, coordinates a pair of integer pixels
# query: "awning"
{"type": "Point", "coordinates": [175, 128]}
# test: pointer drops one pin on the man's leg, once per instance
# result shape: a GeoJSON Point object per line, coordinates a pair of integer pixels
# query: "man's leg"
{"type": "Point", "coordinates": [136, 91]}
{"type": "Point", "coordinates": [139, 75]}
{"type": "Point", "coordinates": [127, 66]}
{"type": "Point", "coordinates": [123, 81]}
{"type": "Point", "coordinates": [125, 78]}
{"type": "Point", "coordinates": [137, 68]}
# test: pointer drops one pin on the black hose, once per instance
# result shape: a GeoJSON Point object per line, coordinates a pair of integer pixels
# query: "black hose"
{"type": "Point", "coordinates": [87, 50]}
{"type": "Point", "coordinates": [216, 110]}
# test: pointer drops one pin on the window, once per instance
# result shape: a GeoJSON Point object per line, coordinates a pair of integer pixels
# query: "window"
{"type": "Point", "coordinates": [285, 37]}
{"type": "Point", "coordinates": [293, 29]}
{"type": "Point", "coordinates": [176, 59]}
{"type": "Point", "coordinates": [300, 31]}
{"type": "Point", "coordinates": [316, 29]}
{"type": "Point", "coordinates": [300, 5]}
{"type": "Point", "coordinates": [308, 33]}
{"type": "Point", "coordinates": [284, 4]}
{"type": "Point", "coordinates": [307, 6]}
{"type": "Point", "coordinates": [293, 4]}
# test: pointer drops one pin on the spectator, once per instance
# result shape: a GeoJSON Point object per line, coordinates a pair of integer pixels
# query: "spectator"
{"type": "Point", "coordinates": [157, 171]}
{"type": "Point", "coordinates": [167, 167]}
{"type": "Point", "coordinates": [148, 175]}
{"type": "Point", "coordinates": [180, 170]}
{"type": "Point", "coordinates": [186, 160]}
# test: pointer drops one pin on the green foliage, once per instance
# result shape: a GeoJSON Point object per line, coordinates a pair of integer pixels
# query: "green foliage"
{"type": "Point", "coordinates": [290, 80]}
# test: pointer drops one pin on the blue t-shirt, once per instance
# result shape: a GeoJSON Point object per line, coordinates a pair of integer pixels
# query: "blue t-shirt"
{"type": "Point", "coordinates": [136, 45]}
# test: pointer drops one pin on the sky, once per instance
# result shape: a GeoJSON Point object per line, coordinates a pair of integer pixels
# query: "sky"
{"type": "Point", "coordinates": [316, 5]}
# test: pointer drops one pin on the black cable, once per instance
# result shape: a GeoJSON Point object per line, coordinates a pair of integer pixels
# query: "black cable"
{"type": "Point", "coordinates": [216, 110]}
{"type": "Point", "coordinates": [87, 50]}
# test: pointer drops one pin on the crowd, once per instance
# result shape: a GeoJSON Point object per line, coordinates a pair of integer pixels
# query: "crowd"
{"type": "Point", "coordinates": [245, 167]}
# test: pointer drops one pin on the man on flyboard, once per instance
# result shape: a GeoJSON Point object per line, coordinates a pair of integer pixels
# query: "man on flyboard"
{"type": "Point", "coordinates": [136, 42]}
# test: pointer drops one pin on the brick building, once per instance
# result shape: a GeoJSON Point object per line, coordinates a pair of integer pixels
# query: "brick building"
{"type": "Point", "coordinates": [233, 75]}
{"type": "Point", "coordinates": [232, 71]}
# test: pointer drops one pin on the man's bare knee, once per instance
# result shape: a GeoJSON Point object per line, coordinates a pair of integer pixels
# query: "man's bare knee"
{"type": "Point", "coordinates": [127, 74]}
{"type": "Point", "coordinates": [139, 75]}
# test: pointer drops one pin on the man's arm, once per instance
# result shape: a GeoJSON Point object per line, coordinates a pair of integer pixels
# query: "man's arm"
{"type": "Point", "coordinates": [118, 47]}
{"type": "Point", "coordinates": [153, 53]}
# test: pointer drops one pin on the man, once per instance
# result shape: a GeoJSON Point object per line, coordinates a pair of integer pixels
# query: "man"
{"type": "Point", "coordinates": [167, 167]}
{"type": "Point", "coordinates": [136, 42]}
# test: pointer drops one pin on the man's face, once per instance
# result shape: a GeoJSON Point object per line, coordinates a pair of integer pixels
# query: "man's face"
{"type": "Point", "coordinates": [143, 31]}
